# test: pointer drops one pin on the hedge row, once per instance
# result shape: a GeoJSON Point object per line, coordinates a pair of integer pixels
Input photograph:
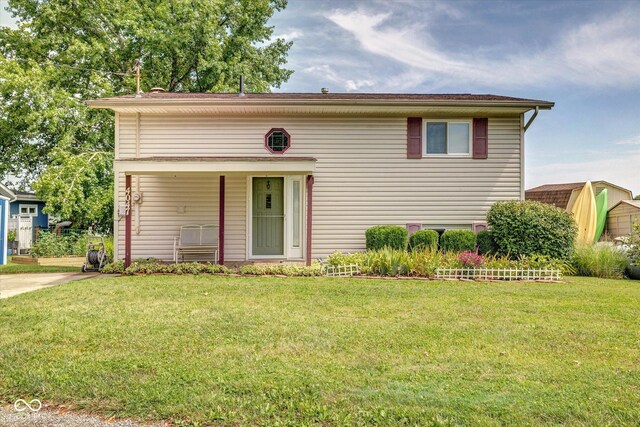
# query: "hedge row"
{"type": "Point", "coordinates": [396, 237]}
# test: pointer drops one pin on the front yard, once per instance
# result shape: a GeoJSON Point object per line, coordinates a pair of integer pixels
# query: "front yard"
{"type": "Point", "coordinates": [228, 350]}
{"type": "Point", "coordinates": [13, 268]}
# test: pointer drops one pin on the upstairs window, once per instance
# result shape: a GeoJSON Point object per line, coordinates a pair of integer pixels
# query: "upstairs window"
{"type": "Point", "coordinates": [277, 141]}
{"type": "Point", "coordinates": [448, 138]}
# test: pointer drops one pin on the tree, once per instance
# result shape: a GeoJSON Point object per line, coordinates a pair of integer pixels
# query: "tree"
{"type": "Point", "coordinates": [637, 197]}
{"type": "Point", "coordinates": [65, 52]}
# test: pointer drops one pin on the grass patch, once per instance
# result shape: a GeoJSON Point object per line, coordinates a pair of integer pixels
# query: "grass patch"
{"type": "Point", "coordinates": [202, 350]}
{"type": "Point", "coordinates": [13, 268]}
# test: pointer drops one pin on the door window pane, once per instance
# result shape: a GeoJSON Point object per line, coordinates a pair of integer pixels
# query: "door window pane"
{"type": "Point", "coordinates": [458, 138]}
{"type": "Point", "coordinates": [436, 138]}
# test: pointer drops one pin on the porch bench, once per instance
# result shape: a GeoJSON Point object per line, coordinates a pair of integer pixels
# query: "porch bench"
{"type": "Point", "coordinates": [196, 240]}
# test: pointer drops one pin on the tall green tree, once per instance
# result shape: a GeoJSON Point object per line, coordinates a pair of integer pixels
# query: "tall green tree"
{"type": "Point", "coordinates": [64, 52]}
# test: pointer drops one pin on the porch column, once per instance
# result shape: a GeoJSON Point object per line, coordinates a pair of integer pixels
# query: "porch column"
{"type": "Point", "coordinates": [221, 223]}
{"type": "Point", "coordinates": [127, 221]}
{"type": "Point", "coordinates": [309, 216]}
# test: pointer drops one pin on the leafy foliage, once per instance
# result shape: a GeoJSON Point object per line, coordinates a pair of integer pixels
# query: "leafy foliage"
{"type": "Point", "coordinates": [62, 54]}
{"type": "Point", "coordinates": [485, 243]}
{"type": "Point", "coordinates": [49, 244]}
{"type": "Point", "coordinates": [600, 260]}
{"type": "Point", "coordinates": [471, 259]}
{"type": "Point", "coordinates": [458, 240]}
{"type": "Point", "coordinates": [392, 262]}
{"type": "Point", "coordinates": [634, 245]}
{"type": "Point", "coordinates": [424, 239]}
{"type": "Point", "coordinates": [12, 236]}
{"type": "Point", "coordinates": [392, 236]}
{"type": "Point", "coordinates": [528, 228]}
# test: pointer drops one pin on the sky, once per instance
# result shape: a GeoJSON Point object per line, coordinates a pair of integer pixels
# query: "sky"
{"type": "Point", "coordinates": [582, 55]}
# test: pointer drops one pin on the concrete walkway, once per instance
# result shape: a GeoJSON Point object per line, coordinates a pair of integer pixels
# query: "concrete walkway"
{"type": "Point", "coordinates": [15, 284]}
{"type": "Point", "coordinates": [44, 418]}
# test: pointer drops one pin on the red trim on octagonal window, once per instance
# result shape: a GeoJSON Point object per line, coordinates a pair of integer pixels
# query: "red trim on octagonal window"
{"type": "Point", "coordinates": [268, 134]}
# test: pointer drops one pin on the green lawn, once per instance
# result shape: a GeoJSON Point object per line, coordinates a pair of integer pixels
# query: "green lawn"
{"type": "Point", "coordinates": [13, 268]}
{"type": "Point", "coordinates": [316, 351]}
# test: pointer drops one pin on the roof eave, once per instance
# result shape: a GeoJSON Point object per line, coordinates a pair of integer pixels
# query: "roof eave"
{"type": "Point", "coordinates": [114, 103]}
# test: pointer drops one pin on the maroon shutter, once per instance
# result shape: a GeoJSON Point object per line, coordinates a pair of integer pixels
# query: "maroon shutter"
{"type": "Point", "coordinates": [414, 138]}
{"type": "Point", "coordinates": [480, 138]}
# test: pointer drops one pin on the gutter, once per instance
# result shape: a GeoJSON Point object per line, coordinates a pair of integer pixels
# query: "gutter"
{"type": "Point", "coordinates": [193, 102]}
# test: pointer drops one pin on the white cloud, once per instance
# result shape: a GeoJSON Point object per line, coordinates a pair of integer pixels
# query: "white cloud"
{"type": "Point", "coordinates": [291, 35]}
{"type": "Point", "coordinates": [619, 168]}
{"type": "Point", "coordinates": [328, 73]}
{"type": "Point", "coordinates": [602, 53]}
{"type": "Point", "coordinates": [631, 141]}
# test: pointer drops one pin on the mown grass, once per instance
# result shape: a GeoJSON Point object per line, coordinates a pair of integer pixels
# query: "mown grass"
{"type": "Point", "coordinates": [13, 268]}
{"type": "Point", "coordinates": [315, 351]}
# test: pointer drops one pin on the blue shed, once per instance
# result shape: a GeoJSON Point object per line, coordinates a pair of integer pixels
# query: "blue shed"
{"type": "Point", "coordinates": [4, 228]}
{"type": "Point", "coordinates": [28, 204]}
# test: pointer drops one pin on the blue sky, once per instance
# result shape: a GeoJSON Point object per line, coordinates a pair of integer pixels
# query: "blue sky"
{"type": "Point", "coordinates": [583, 55]}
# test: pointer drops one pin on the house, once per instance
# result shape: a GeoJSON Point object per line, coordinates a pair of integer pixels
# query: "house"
{"type": "Point", "coordinates": [25, 214]}
{"type": "Point", "coordinates": [564, 195]}
{"type": "Point", "coordinates": [621, 217]}
{"type": "Point", "coordinates": [297, 176]}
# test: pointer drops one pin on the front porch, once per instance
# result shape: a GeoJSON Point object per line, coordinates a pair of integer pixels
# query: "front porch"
{"type": "Point", "coordinates": [262, 208]}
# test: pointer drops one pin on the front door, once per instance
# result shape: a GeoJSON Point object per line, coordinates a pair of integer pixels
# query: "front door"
{"type": "Point", "coordinates": [268, 216]}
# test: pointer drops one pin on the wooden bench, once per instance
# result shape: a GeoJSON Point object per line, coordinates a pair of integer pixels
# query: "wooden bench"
{"type": "Point", "coordinates": [196, 241]}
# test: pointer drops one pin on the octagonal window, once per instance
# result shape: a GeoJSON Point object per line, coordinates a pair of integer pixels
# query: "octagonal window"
{"type": "Point", "coordinates": [277, 141]}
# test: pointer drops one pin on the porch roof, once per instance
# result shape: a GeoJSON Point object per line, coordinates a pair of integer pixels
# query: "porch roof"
{"type": "Point", "coordinates": [160, 165]}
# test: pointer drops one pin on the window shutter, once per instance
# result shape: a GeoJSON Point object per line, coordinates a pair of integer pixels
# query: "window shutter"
{"type": "Point", "coordinates": [414, 138]}
{"type": "Point", "coordinates": [480, 138]}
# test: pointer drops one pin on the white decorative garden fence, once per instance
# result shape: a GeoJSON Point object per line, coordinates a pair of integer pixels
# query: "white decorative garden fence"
{"type": "Point", "coordinates": [341, 270]}
{"type": "Point", "coordinates": [533, 274]}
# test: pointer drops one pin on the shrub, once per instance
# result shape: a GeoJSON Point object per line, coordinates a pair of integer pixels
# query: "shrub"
{"type": "Point", "coordinates": [12, 236]}
{"type": "Point", "coordinates": [113, 268]}
{"type": "Point", "coordinates": [458, 241]}
{"type": "Point", "coordinates": [528, 228]}
{"type": "Point", "coordinates": [50, 244]}
{"type": "Point", "coordinates": [601, 260]}
{"type": "Point", "coordinates": [486, 245]}
{"type": "Point", "coordinates": [634, 245]}
{"type": "Point", "coordinates": [392, 236]}
{"type": "Point", "coordinates": [424, 239]}
{"type": "Point", "coordinates": [471, 259]}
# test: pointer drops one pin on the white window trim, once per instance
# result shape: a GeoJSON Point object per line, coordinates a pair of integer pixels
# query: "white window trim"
{"type": "Point", "coordinates": [28, 206]}
{"type": "Point", "coordinates": [290, 253]}
{"type": "Point", "coordinates": [457, 155]}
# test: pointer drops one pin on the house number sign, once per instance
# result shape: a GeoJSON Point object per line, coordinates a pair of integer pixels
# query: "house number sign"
{"type": "Point", "coordinates": [127, 201]}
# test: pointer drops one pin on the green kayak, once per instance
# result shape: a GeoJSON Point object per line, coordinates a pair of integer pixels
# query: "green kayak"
{"type": "Point", "coordinates": [601, 209]}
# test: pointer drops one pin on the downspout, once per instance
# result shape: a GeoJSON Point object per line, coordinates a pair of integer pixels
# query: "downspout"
{"type": "Point", "coordinates": [531, 119]}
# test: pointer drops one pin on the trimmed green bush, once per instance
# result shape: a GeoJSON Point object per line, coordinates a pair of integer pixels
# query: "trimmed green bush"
{"type": "Point", "coordinates": [392, 236]}
{"type": "Point", "coordinates": [458, 241]}
{"type": "Point", "coordinates": [486, 245]}
{"type": "Point", "coordinates": [424, 239]}
{"type": "Point", "coordinates": [528, 228]}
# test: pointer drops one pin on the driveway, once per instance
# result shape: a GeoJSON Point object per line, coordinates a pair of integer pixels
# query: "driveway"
{"type": "Point", "coordinates": [15, 284]}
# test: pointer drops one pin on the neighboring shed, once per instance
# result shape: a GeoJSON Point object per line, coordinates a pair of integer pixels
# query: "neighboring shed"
{"type": "Point", "coordinates": [621, 217]}
{"type": "Point", "coordinates": [564, 195]}
{"type": "Point", "coordinates": [28, 204]}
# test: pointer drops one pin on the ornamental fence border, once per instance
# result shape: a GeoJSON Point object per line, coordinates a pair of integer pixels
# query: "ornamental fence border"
{"type": "Point", "coordinates": [508, 274]}
{"type": "Point", "coordinates": [341, 270]}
